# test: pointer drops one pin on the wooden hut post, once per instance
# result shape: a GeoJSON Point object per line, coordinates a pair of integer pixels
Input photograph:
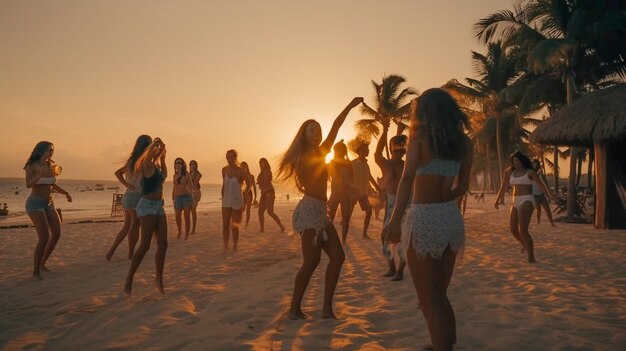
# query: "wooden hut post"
{"type": "Point", "coordinates": [601, 186]}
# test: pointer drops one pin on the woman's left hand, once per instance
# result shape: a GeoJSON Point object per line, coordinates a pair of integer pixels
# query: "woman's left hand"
{"type": "Point", "coordinates": [68, 197]}
{"type": "Point", "coordinates": [392, 232]}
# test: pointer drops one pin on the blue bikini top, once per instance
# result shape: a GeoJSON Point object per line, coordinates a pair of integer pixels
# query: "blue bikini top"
{"type": "Point", "coordinates": [438, 166]}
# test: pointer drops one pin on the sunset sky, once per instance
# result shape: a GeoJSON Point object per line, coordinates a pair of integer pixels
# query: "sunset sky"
{"type": "Point", "coordinates": [207, 76]}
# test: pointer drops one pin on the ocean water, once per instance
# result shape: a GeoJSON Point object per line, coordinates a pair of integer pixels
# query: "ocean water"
{"type": "Point", "coordinates": [89, 203]}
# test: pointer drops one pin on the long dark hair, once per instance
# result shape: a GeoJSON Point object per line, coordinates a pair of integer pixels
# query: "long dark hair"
{"type": "Point", "coordinates": [264, 165]}
{"type": "Point", "coordinates": [183, 169]}
{"type": "Point", "coordinates": [38, 152]}
{"type": "Point", "coordinates": [143, 141]}
{"type": "Point", "coordinates": [443, 121]}
{"type": "Point", "coordinates": [290, 163]}
{"type": "Point", "coordinates": [523, 159]}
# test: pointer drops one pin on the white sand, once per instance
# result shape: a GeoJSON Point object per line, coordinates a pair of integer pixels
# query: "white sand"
{"type": "Point", "coordinates": [573, 299]}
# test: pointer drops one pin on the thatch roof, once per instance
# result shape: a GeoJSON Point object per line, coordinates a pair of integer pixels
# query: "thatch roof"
{"type": "Point", "coordinates": [596, 116]}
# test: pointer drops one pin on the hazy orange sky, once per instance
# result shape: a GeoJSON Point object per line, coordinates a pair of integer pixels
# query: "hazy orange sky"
{"type": "Point", "coordinates": [207, 76]}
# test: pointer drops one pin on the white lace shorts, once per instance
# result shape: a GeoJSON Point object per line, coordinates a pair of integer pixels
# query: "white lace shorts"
{"type": "Point", "coordinates": [311, 213]}
{"type": "Point", "coordinates": [431, 228]}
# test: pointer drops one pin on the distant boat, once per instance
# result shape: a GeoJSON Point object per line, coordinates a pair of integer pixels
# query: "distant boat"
{"type": "Point", "coordinates": [99, 187]}
{"type": "Point", "coordinates": [113, 187]}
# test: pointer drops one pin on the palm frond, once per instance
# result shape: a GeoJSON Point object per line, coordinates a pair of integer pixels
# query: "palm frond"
{"type": "Point", "coordinates": [368, 128]}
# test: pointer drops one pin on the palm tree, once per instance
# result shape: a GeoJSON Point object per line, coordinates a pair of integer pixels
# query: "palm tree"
{"type": "Point", "coordinates": [390, 106]}
{"type": "Point", "coordinates": [578, 40]}
{"type": "Point", "coordinates": [495, 70]}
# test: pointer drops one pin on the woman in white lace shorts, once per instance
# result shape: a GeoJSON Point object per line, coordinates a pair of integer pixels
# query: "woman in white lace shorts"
{"type": "Point", "coordinates": [304, 161]}
{"type": "Point", "coordinates": [432, 230]}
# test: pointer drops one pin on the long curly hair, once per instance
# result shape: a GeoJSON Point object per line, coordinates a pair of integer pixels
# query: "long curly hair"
{"type": "Point", "coordinates": [38, 152]}
{"type": "Point", "coordinates": [526, 163]}
{"type": "Point", "coordinates": [438, 116]}
{"type": "Point", "coordinates": [290, 163]}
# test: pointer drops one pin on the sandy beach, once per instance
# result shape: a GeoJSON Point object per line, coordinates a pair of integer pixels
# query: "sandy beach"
{"type": "Point", "coordinates": [572, 299]}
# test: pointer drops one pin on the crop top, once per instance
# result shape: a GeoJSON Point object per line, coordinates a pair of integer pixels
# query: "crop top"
{"type": "Point", "coordinates": [439, 166]}
{"type": "Point", "coordinates": [47, 180]}
{"type": "Point", "coordinates": [153, 184]}
{"type": "Point", "coordinates": [521, 180]}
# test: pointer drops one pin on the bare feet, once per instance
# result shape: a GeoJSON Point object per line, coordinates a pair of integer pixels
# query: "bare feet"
{"type": "Point", "coordinates": [282, 229]}
{"type": "Point", "coordinates": [390, 273]}
{"type": "Point", "coordinates": [261, 231]}
{"type": "Point", "coordinates": [297, 315]}
{"type": "Point", "coordinates": [328, 314]}
{"type": "Point", "coordinates": [532, 260]}
{"type": "Point", "coordinates": [37, 277]}
{"type": "Point", "coordinates": [108, 256]}
{"type": "Point", "coordinates": [128, 288]}
{"type": "Point", "coordinates": [398, 276]}
{"type": "Point", "coordinates": [523, 249]}
{"type": "Point", "coordinates": [159, 286]}
{"type": "Point", "coordinates": [44, 268]}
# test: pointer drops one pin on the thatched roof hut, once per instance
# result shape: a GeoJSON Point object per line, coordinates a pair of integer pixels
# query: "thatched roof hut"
{"type": "Point", "coordinates": [596, 116]}
{"type": "Point", "coordinates": [597, 120]}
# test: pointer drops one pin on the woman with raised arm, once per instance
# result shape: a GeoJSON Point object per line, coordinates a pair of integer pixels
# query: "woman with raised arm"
{"type": "Point", "coordinates": [305, 162]}
{"type": "Point", "coordinates": [41, 173]}
{"type": "Point", "coordinates": [522, 177]}
{"type": "Point", "coordinates": [132, 181]}
{"type": "Point", "coordinates": [432, 232]}
{"type": "Point", "coordinates": [234, 177]}
{"type": "Point", "coordinates": [196, 194]}
{"type": "Point", "coordinates": [248, 198]}
{"type": "Point", "coordinates": [181, 195]}
{"type": "Point", "coordinates": [152, 167]}
{"type": "Point", "coordinates": [268, 195]}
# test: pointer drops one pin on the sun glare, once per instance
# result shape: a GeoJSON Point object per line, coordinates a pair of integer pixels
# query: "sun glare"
{"type": "Point", "coordinates": [329, 157]}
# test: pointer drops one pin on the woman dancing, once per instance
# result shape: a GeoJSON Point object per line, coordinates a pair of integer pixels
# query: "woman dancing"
{"type": "Point", "coordinates": [152, 167]}
{"type": "Point", "coordinates": [248, 199]}
{"type": "Point", "coordinates": [341, 187]}
{"type": "Point", "coordinates": [41, 173]}
{"type": "Point", "coordinates": [268, 195]}
{"type": "Point", "coordinates": [181, 195]}
{"type": "Point", "coordinates": [522, 177]}
{"type": "Point", "coordinates": [432, 230]}
{"type": "Point", "coordinates": [304, 161]}
{"type": "Point", "coordinates": [232, 198]}
{"type": "Point", "coordinates": [132, 181]}
{"type": "Point", "coordinates": [196, 194]}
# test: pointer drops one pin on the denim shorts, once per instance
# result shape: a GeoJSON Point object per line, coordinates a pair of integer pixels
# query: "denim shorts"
{"type": "Point", "coordinates": [181, 200]}
{"type": "Point", "coordinates": [35, 203]}
{"type": "Point", "coordinates": [130, 199]}
{"type": "Point", "coordinates": [147, 207]}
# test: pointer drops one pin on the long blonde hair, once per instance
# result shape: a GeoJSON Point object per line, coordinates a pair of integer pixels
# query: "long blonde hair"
{"type": "Point", "coordinates": [290, 162]}
{"type": "Point", "coordinates": [144, 155]}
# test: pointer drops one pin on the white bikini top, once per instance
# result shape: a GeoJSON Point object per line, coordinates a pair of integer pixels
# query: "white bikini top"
{"type": "Point", "coordinates": [521, 180]}
{"type": "Point", "coordinates": [47, 180]}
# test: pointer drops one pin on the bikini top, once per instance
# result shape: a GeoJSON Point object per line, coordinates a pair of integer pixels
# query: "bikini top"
{"type": "Point", "coordinates": [153, 184]}
{"type": "Point", "coordinates": [47, 180]}
{"type": "Point", "coordinates": [439, 166]}
{"type": "Point", "coordinates": [521, 180]}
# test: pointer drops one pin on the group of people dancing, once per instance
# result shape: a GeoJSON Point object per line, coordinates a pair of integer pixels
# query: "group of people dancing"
{"type": "Point", "coordinates": [423, 225]}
